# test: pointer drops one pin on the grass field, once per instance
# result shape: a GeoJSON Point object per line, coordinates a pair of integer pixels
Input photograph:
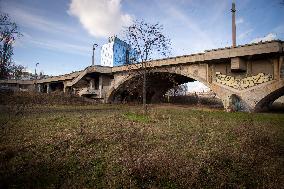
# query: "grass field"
{"type": "Point", "coordinates": [115, 146]}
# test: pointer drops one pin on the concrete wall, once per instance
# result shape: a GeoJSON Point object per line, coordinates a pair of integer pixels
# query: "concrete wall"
{"type": "Point", "coordinates": [262, 66]}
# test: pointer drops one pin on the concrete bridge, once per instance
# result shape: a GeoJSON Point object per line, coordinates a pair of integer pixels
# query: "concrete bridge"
{"type": "Point", "coordinates": [247, 78]}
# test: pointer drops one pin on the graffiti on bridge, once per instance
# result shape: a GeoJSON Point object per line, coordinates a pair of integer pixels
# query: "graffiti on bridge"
{"type": "Point", "coordinates": [244, 83]}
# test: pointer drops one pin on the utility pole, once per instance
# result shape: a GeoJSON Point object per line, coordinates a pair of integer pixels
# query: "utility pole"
{"type": "Point", "coordinates": [234, 24]}
{"type": "Point", "coordinates": [36, 76]}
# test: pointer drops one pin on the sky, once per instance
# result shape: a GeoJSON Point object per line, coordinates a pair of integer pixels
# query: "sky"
{"type": "Point", "coordinates": [59, 34]}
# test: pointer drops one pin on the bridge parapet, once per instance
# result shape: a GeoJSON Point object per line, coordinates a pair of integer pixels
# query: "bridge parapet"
{"type": "Point", "coordinates": [212, 55]}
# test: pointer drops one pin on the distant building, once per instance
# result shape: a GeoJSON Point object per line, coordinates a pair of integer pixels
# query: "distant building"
{"type": "Point", "coordinates": [116, 52]}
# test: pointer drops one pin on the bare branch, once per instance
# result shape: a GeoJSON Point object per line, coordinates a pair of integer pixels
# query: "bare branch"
{"type": "Point", "coordinates": [8, 33]}
{"type": "Point", "coordinates": [147, 42]}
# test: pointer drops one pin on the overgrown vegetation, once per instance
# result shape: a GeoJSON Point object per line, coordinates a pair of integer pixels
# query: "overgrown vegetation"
{"type": "Point", "coordinates": [212, 102]}
{"type": "Point", "coordinates": [114, 146]}
{"type": "Point", "coordinates": [33, 98]}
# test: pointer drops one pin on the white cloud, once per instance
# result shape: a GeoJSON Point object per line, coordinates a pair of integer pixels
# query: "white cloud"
{"type": "Point", "coordinates": [196, 30]}
{"type": "Point", "coordinates": [240, 21]}
{"type": "Point", "coordinates": [245, 34]}
{"type": "Point", "coordinates": [268, 37]}
{"type": "Point", "coordinates": [279, 29]}
{"type": "Point", "coordinates": [101, 18]}
{"type": "Point", "coordinates": [61, 46]}
{"type": "Point", "coordinates": [197, 86]}
{"type": "Point", "coordinates": [27, 70]}
{"type": "Point", "coordinates": [56, 45]}
{"type": "Point", "coordinates": [29, 17]}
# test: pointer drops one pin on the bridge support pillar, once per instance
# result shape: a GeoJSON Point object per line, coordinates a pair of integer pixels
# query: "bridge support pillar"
{"type": "Point", "coordinates": [47, 88]}
{"type": "Point", "coordinates": [236, 103]}
{"type": "Point", "coordinates": [281, 67]}
{"type": "Point", "coordinates": [92, 84]}
{"type": "Point", "coordinates": [226, 103]}
{"type": "Point", "coordinates": [66, 89]}
{"type": "Point", "coordinates": [39, 88]}
{"type": "Point", "coordinates": [100, 86]}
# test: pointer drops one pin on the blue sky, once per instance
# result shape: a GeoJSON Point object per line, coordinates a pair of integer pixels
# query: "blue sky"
{"type": "Point", "coordinates": [59, 33]}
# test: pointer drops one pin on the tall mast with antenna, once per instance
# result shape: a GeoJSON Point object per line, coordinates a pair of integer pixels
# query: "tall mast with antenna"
{"type": "Point", "coordinates": [234, 24]}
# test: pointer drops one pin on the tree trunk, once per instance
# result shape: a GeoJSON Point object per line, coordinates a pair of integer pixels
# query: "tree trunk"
{"type": "Point", "coordinates": [144, 93]}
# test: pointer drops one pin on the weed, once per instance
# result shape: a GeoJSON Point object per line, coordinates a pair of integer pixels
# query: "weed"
{"type": "Point", "coordinates": [137, 117]}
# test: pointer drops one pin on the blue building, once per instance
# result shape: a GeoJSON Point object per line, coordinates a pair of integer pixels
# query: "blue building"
{"type": "Point", "coordinates": [116, 52]}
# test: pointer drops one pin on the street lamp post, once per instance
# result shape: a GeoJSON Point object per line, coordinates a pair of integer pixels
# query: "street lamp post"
{"type": "Point", "coordinates": [93, 57]}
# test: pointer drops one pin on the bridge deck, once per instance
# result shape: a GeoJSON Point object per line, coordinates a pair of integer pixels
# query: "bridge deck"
{"type": "Point", "coordinates": [210, 55]}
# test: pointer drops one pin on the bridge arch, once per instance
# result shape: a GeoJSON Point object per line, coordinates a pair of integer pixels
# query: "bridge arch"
{"type": "Point", "coordinates": [265, 103]}
{"type": "Point", "coordinates": [160, 80]}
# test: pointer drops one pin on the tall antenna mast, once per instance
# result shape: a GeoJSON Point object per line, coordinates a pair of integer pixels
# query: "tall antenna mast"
{"type": "Point", "coordinates": [234, 23]}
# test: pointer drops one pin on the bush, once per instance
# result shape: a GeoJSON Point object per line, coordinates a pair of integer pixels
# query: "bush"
{"type": "Point", "coordinates": [34, 98]}
{"type": "Point", "coordinates": [196, 100]}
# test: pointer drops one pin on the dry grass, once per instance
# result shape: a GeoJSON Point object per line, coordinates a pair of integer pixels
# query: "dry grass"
{"type": "Point", "coordinates": [212, 102]}
{"type": "Point", "coordinates": [32, 98]}
{"type": "Point", "coordinates": [114, 146]}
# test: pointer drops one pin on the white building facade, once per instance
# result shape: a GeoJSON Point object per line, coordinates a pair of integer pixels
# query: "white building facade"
{"type": "Point", "coordinates": [115, 53]}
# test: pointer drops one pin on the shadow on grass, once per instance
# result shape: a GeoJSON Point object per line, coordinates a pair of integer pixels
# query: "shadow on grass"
{"type": "Point", "coordinates": [75, 110]}
{"type": "Point", "coordinates": [56, 174]}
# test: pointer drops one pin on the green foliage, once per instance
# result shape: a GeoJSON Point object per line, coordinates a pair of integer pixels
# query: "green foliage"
{"type": "Point", "coordinates": [137, 117]}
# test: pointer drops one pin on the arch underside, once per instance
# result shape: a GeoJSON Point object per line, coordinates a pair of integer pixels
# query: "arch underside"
{"type": "Point", "coordinates": [266, 103]}
{"type": "Point", "coordinates": [158, 83]}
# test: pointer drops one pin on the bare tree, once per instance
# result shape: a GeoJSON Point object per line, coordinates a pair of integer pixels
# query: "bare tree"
{"type": "Point", "coordinates": [8, 33]}
{"type": "Point", "coordinates": [147, 42]}
{"type": "Point", "coordinates": [179, 90]}
{"type": "Point", "coordinates": [16, 71]}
